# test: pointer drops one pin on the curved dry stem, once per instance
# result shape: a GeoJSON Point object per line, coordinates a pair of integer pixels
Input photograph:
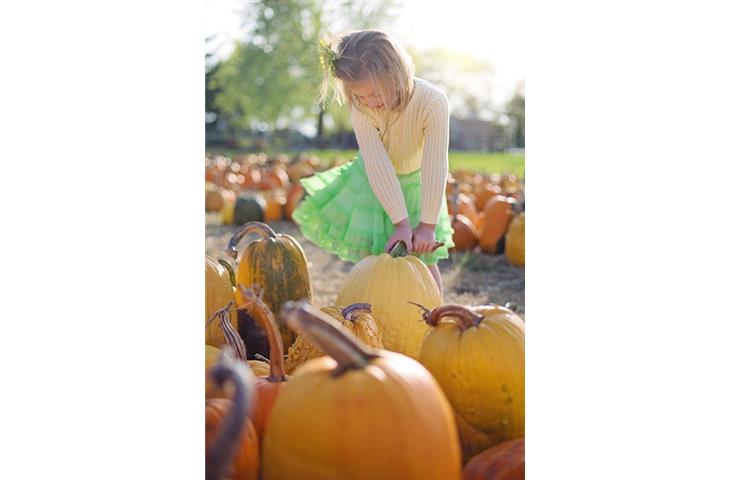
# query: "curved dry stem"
{"type": "Point", "coordinates": [465, 317]}
{"type": "Point", "coordinates": [229, 268]}
{"type": "Point", "coordinates": [219, 456]}
{"type": "Point", "coordinates": [350, 312]}
{"type": "Point", "coordinates": [399, 249]}
{"type": "Point", "coordinates": [261, 312]}
{"type": "Point", "coordinates": [425, 313]}
{"type": "Point", "coordinates": [251, 227]}
{"type": "Point", "coordinates": [218, 313]}
{"type": "Point", "coordinates": [260, 357]}
{"type": "Point", "coordinates": [232, 337]}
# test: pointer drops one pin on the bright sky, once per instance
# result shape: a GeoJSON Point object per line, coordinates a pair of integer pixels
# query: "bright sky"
{"type": "Point", "coordinates": [487, 29]}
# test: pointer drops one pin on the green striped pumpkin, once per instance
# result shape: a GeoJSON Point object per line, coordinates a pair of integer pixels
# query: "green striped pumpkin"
{"type": "Point", "coordinates": [277, 265]}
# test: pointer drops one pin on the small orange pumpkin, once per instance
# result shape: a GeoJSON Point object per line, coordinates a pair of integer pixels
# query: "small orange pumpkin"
{"type": "Point", "coordinates": [252, 178]}
{"type": "Point", "coordinates": [514, 248]}
{"type": "Point", "coordinates": [484, 193]}
{"type": "Point", "coordinates": [498, 213]}
{"type": "Point", "coordinates": [275, 203]}
{"type": "Point", "coordinates": [465, 233]}
{"type": "Point", "coordinates": [293, 197]}
{"type": "Point", "coordinates": [213, 199]}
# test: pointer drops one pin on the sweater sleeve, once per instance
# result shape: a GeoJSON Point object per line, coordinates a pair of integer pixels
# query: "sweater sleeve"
{"type": "Point", "coordinates": [435, 166]}
{"type": "Point", "coordinates": [380, 170]}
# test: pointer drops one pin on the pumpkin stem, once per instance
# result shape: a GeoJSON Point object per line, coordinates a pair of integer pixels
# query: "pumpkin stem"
{"type": "Point", "coordinates": [399, 249]}
{"type": "Point", "coordinates": [465, 317]}
{"type": "Point", "coordinates": [350, 312]}
{"type": "Point", "coordinates": [257, 227]}
{"type": "Point", "coordinates": [349, 352]}
{"type": "Point", "coordinates": [437, 245]}
{"type": "Point", "coordinates": [263, 316]}
{"type": "Point", "coordinates": [425, 313]}
{"type": "Point", "coordinates": [231, 272]}
{"type": "Point", "coordinates": [219, 456]}
{"type": "Point", "coordinates": [233, 338]}
{"type": "Point", "coordinates": [218, 313]}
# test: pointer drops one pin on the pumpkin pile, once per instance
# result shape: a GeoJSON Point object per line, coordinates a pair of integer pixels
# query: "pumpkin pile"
{"type": "Point", "coordinates": [488, 212]}
{"type": "Point", "coordinates": [257, 187]}
{"type": "Point", "coordinates": [369, 387]}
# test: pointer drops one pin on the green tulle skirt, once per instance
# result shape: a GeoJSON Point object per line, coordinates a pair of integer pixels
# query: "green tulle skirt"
{"type": "Point", "coordinates": [343, 216]}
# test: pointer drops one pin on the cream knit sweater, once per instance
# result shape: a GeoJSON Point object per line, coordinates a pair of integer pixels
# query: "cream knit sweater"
{"type": "Point", "coordinates": [417, 138]}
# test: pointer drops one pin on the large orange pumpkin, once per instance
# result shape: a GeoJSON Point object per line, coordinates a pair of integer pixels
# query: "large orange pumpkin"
{"type": "Point", "coordinates": [231, 444]}
{"type": "Point", "coordinates": [358, 413]}
{"type": "Point", "coordinates": [497, 215]}
{"type": "Point", "coordinates": [505, 461]}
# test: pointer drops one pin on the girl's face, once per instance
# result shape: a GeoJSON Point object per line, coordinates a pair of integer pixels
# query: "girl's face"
{"type": "Point", "coordinates": [366, 93]}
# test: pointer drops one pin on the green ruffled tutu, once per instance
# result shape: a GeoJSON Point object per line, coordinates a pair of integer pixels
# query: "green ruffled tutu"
{"type": "Point", "coordinates": [343, 216]}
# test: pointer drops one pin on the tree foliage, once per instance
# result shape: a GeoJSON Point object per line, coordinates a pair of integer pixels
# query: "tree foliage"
{"type": "Point", "coordinates": [272, 77]}
{"type": "Point", "coordinates": [516, 113]}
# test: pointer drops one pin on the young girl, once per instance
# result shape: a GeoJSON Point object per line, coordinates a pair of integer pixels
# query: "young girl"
{"type": "Point", "coordinates": [394, 190]}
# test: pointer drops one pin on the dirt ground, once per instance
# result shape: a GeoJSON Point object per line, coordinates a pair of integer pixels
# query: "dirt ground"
{"type": "Point", "coordinates": [469, 278]}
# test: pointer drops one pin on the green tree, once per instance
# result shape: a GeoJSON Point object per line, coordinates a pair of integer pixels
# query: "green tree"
{"type": "Point", "coordinates": [516, 113]}
{"type": "Point", "coordinates": [272, 77]}
{"type": "Point", "coordinates": [267, 77]}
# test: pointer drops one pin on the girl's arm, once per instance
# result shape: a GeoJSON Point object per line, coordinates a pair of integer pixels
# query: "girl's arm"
{"type": "Point", "coordinates": [380, 171]}
{"type": "Point", "coordinates": [435, 165]}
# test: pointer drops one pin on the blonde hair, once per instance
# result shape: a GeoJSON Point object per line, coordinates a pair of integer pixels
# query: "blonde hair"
{"type": "Point", "coordinates": [368, 55]}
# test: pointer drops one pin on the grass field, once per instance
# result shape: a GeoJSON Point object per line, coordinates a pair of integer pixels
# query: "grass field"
{"type": "Point", "coordinates": [488, 162]}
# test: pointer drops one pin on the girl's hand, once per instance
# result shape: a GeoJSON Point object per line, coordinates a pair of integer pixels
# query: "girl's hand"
{"type": "Point", "coordinates": [402, 233]}
{"type": "Point", "coordinates": [424, 238]}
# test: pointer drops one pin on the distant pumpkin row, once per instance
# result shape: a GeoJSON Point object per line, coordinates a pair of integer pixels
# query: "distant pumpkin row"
{"type": "Point", "coordinates": [387, 383]}
{"type": "Point", "coordinates": [487, 210]}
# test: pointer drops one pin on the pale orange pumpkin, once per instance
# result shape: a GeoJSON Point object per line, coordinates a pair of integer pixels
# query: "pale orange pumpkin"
{"type": "Point", "coordinates": [477, 354]}
{"type": "Point", "coordinates": [356, 318]}
{"type": "Point", "coordinates": [219, 292]}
